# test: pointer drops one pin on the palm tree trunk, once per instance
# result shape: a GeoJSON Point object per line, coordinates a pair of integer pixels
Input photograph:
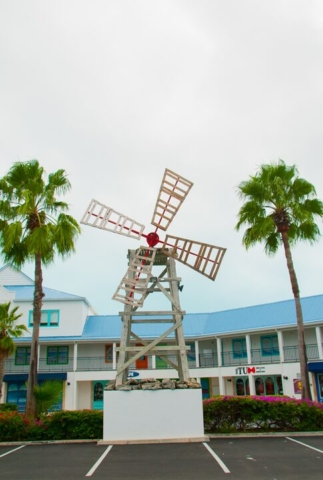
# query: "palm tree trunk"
{"type": "Point", "coordinates": [38, 302]}
{"type": "Point", "coordinates": [306, 391]}
{"type": "Point", "coordinates": [2, 368]}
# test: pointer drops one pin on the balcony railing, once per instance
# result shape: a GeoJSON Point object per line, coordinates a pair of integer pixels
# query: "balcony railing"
{"type": "Point", "coordinates": [206, 360]}
{"type": "Point", "coordinates": [291, 354]}
{"type": "Point", "coordinates": [11, 366]}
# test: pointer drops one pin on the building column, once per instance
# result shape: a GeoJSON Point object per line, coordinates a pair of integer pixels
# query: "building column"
{"type": "Point", "coordinates": [114, 356]}
{"type": "Point", "coordinates": [221, 384]}
{"type": "Point", "coordinates": [153, 362]}
{"type": "Point", "coordinates": [197, 354]}
{"type": "Point", "coordinates": [75, 357]}
{"type": "Point", "coordinates": [219, 351]}
{"type": "Point", "coordinates": [248, 347]}
{"type": "Point", "coordinates": [280, 345]}
{"type": "Point", "coordinates": [319, 341]}
{"type": "Point", "coordinates": [252, 384]}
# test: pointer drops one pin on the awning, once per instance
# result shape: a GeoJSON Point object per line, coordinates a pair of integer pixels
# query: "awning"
{"type": "Point", "coordinates": [20, 377]}
{"type": "Point", "coordinates": [315, 367]}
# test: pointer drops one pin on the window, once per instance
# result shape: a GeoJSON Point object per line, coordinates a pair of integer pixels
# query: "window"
{"type": "Point", "coordinates": [108, 358]}
{"type": "Point", "coordinates": [269, 345]}
{"type": "Point", "coordinates": [57, 355]}
{"type": "Point", "coordinates": [242, 386]}
{"type": "Point", "coordinates": [49, 318]}
{"type": "Point", "coordinates": [22, 356]}
{"type": "Point", "coordinates": [191, 356]}
{"type": "Point", "coordinates": [239, 348]}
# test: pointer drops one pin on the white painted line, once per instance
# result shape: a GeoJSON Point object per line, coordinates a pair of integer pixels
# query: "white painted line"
{"type": "Point", "coordinates": [304, 444]}
{"type": "Point", "coordinates": [95, 466]}
{"type": "Point", "coordinates": [214, 455]}
{"type": "Point", "coordinates": [18, 448]}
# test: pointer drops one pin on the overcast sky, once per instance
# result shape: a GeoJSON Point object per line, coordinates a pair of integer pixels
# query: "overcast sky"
{"type": "Point", "coordinates": [115, 91]}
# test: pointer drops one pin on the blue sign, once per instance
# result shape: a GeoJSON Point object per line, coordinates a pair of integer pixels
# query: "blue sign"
{"type": "Point", "coordinates": [133, 374]}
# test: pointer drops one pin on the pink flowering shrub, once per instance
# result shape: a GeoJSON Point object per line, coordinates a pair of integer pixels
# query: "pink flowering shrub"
{"type": "Point", "coordinates": [262, 413]}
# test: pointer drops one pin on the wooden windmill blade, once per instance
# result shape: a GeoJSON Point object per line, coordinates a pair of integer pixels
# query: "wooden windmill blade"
{"type": "Point", "coordinates": [201, 257]}
{"type": "Point", "coordinates": [101, 216]}
{"type": "Point", "coordinates": [173, 191]}
{"type": "Point", "coordinates": [133, 286]}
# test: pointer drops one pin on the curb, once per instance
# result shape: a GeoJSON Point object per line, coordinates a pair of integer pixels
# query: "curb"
{"type": "Point", "coordinates": [209, 436]}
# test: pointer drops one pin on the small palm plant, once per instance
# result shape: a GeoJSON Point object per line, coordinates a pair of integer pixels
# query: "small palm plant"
{"type": "Point", "coordinates": [8, 331]}
{"type": "Point", "coordinates": [46, 395]}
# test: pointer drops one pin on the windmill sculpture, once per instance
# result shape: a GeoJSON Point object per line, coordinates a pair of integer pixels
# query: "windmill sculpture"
{"type": "Point", "coordinates": [139, 281]}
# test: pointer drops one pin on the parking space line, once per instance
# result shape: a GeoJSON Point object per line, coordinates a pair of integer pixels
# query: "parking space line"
{"type": "Point", "coordinates": [97, 463]}
{"type": "Point", "coordinates": [214, 455]}
{"type": "Point", "coordinates": [11, 451]}
{"type": "Point", "coordinates": [304, 444]}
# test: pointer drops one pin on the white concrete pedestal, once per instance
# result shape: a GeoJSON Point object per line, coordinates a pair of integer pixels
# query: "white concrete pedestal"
{"type": "Point", "coordinates": [153, 416]}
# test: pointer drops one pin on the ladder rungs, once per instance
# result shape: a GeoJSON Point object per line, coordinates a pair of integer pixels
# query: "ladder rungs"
{"type": "Point", "coordinates": [139, 314]}
{"type": "Point", "coordinates": [149, 320]}
{"type": "Point", "coordinates": [166, 348]}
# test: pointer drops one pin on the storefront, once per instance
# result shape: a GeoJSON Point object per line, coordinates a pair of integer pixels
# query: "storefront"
{"type": "Point", "coordinates": [17, 389]}
{"type": "Point", "coordinates": [317, 369]}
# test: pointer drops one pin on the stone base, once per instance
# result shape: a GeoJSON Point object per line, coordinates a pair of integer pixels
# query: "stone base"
{"type": "Point", "coordinates": [153, 416]}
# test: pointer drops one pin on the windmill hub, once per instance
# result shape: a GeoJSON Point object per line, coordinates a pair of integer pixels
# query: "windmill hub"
{"type": "Point", "coordinates": [152, 239]}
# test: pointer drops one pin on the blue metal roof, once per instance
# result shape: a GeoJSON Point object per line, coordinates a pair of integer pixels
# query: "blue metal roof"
{"type": "Point", "coordinates": [266, 316]}
{"type": "Point", "coordinates": [25, 293]}
{"type": "Point", "coordinates": [270, 315]}
{"type": "Point", "coordinates": [109, 326]}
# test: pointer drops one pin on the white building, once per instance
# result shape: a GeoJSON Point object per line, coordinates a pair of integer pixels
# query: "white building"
{"type": "Point", "coordinates": [246, 350]}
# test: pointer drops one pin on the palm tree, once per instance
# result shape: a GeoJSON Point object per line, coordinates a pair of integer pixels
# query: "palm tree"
{"type": "Point", "coordinates": [8, 331]}
{"type": "Point", "coordinates": [34, 227]}
{"type": "Point", "coordinates": [281, 208]}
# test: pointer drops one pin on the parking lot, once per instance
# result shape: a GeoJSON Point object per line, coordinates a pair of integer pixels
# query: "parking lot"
{"type": "Point", "coordinates": [279, 458]}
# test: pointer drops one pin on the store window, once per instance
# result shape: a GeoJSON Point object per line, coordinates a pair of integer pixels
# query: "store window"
{"type": "Point", "coordinates": [239, 348]}
{"type": "Point", "coordinates": [22, 356]}
{"type": "Point", "coordinates": [242, 386]}
{"type": "Point", "coordinates": [57, 355]}
{"type": "Point", "coordinates": [259, 384]}
{"type": "Point", "coordinates": [191, 355]}
{"type": "Point", "coordinates": [49, 318]}
{"type": "Point", "coordinates": [108, 356]}
{"type": "Point", "coordinates": [271, 385]}
{"type": "Point", "coordinates": [269, 345]}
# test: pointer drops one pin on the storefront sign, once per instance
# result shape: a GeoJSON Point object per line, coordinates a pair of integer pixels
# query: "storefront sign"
{"type": "Point", "coordinates": [248, 370]}
{"type": "Point", "coordinates": [133, 374]}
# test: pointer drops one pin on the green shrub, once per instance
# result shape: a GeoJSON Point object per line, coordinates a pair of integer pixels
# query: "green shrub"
{"type": "Point", "coordinates": [75, 424]}
{"type": "Point", "coordinates": [8, 407]}
{"type": "Point", "coordinates": [230, 413]}
{"type": "Point", "coordinates": [64, 425]}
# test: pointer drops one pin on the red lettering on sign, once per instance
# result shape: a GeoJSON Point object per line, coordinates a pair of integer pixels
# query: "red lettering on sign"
{"type": "Point", "coordinates": [251, 370]}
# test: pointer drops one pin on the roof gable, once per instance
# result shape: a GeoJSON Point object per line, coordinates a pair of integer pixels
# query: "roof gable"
{"type": "Point", "coordinates": [10, 275]}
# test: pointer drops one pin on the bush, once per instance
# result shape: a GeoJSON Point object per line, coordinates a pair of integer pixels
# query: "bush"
{"type": "Point", "coordinates": [8, 407]}
{"type": "Point", "coordinates": [75, 425]}
{"type": "Point", "coordinates": [254, 413]}
{"type": "Point", "coordinates": [64, 425]}
{"type": "Point", "coordinates": [12, 427]}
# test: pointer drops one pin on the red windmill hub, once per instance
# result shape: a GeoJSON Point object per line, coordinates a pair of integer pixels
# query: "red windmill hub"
{"type": "Point", "coordinates": [152, 239]}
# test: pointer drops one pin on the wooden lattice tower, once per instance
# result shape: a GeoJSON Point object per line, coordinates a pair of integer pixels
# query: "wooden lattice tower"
{"type": "Point", "coordinates": [166, 283]}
